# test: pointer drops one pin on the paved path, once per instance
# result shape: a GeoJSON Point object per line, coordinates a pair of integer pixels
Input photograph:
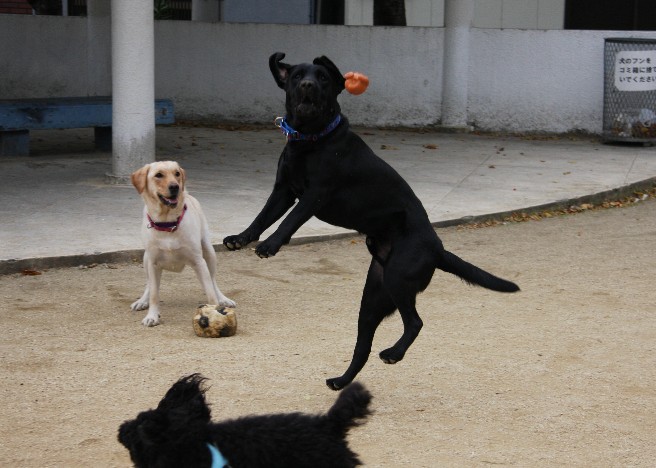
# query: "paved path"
{"type": "Point", "coordinates": [56, 204]}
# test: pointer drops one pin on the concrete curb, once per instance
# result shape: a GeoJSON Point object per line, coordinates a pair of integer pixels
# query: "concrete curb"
{"type": "Point", "coordinates": [8, 267]}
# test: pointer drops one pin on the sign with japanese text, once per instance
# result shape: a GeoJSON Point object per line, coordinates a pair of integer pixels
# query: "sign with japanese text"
{"type": "Point", "coordinates": [635, 70]}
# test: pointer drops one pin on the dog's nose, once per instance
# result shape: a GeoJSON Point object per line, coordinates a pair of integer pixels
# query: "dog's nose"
{"type": "Point", "coordinates": [307, 84]}
{"type": "Point", "coordinates": [173, 190]}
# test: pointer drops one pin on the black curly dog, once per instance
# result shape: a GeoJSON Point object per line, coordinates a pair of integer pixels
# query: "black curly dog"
{"type": "Point", "coordinates": [336, 177]}
{"type": "Point", "coordinates": [179, 433]}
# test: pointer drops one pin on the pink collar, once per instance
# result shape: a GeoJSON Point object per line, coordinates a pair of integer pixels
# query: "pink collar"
{"type": "Point", "coordinates": [166, 226]}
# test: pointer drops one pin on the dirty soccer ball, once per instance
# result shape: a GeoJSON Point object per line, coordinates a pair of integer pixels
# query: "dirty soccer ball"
{"type": "Point", "coordinates": [212, 321]}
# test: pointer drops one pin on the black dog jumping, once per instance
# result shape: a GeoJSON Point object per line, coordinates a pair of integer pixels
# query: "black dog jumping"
{"type": "Point", "coordinates": [336, 177]}
{"type": "Point", "coordinates": [179, 433]}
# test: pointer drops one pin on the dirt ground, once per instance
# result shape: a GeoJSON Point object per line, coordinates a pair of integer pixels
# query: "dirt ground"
{"type": "Point", "coordinates": [560, 374]}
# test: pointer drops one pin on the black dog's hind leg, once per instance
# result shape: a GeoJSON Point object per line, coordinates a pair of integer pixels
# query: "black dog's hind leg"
{"type": "Point", "coordinates": [412, 324]}
{"type": "Point", "coordinates": [406, 274]}
{"type": "Point", "coordinates": [375, 306]}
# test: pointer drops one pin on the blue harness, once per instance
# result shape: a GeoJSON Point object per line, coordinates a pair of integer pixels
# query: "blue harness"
{"type": "Point", "coordinates": [293, 135]}
{"type": "Point", "coordinates": [218, 460]}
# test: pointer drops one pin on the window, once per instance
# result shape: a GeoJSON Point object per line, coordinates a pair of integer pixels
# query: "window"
{"type": "Point", "coordinates": [329, 12]}
{"type": "Point", "coordinates": [624, 15]}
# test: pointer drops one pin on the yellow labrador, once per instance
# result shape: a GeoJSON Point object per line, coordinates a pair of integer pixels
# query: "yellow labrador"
{"type": "Point", "coordinates": [175, 234]}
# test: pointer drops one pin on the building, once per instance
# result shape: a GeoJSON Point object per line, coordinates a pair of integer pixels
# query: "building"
{"type": "Point", "coordinates": [624, 15]}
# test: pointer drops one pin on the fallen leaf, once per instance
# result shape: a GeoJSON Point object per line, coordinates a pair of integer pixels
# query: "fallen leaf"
{"type": "Point", "coordinates": [30, 273]}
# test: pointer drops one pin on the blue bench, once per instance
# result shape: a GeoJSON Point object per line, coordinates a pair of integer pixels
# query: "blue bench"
{"type": "Point", "coordinates": [19, 116]}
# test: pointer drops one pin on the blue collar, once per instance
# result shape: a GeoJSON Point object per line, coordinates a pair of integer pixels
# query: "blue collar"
{"type": "Point", "coordinates": [218, 460]}
{"type": "Point", "coordinates": [293, 135]}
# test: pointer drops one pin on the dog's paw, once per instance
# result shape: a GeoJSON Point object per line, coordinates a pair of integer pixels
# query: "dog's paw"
{"type": "Point", "coordinates": [236, 242]}
{"type": "Point", "coordinates": [263, 253]}
{"type": "Point", "coordinates": [267, 249]}
{"type": "Point", "coordinates": [139, 305]}
{"type": "Point", "coordinates": [150, 320]}
{"type": "Point", "coordinates": [390, 356]}
{"type": "Point", "coordinates": [337, 383]}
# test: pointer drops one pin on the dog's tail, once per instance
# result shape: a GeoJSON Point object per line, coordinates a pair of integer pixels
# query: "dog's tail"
{"type": "Point", "coordinates": [350, 408]}
{"type": "Point", "coordinates": [471, 274]}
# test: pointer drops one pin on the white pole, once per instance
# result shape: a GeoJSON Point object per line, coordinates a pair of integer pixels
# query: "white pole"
{"type": "Point", "coordinates": [133, 87]}
{"type": "Point", "coordinates": [458, 17]}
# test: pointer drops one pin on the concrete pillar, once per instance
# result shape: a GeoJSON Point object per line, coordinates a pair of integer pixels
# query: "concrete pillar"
{"type": "Point", "coordinates": [458, 17]}
{"type": "Point", "coordinates": [425, 13]}
{"type": "Point", "coordinates": [133, 88]}
{"type": "Point", "coordinates": [205, 10]}
{"type": "Point", "coordinates": [359, 12]}
{"type": "Point", "coordinates": [99, 51]}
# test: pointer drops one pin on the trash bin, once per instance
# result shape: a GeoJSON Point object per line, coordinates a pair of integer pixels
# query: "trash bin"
{"type": "Point", "coordinates": [630, 90]}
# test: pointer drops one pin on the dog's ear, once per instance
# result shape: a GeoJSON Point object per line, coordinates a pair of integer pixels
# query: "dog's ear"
{"type": "Point", "coordinates": [183, 176]}
{"type": "Point", "coordinates": [187, 397]}
{"type": "Point", "coordinates": [140, 178]}
{"type": "Point", "coordinates": [279, 70]}
{"type": "Point", "coordinates": [167, 433]}
{"type": "Point", "coordinates": [335, 74]}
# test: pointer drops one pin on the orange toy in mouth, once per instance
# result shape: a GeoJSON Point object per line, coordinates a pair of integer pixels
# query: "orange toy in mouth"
{"type": "Point", "coordinates": [356, 83]}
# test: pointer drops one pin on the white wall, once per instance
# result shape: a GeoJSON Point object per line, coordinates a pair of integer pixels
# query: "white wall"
{"type": "Point", "coordinates": [221, 71]}
{"type": "Point", "coordinates": [519, 80]}
{"type": "Point", "coordinates": [537, 80]}
{"type": "Point", "coordinates": [43, 56]}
